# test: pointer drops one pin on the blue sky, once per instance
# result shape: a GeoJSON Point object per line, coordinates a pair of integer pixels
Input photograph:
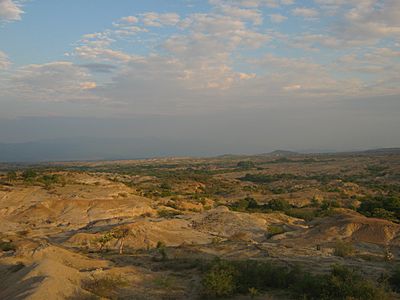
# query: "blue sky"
{"type": "Point", "coordinates": [62, 23]}
{"type": "Point", "coordinates": [123, 59]}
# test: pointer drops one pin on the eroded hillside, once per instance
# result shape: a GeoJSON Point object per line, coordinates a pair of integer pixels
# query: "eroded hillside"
{"type": "Point", "coordinates": [152, 229]}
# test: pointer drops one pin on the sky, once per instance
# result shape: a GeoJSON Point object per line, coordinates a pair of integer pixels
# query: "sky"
{"type": "Point", "coordinates": [238, 75]}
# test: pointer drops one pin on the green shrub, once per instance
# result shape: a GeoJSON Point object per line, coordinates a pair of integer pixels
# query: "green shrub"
{"type": "Point", "coordinates": [265, 178]}
{"type": "Point", "coordinates": [246, 164]}
{"type": "Point", "coordinates": [167, 214]}
{"type": "Point", "coordinates": [165, 186]}
{"type": "Point", "coordinates": [7, 246]}
{"type": "Point", "coordinates": [49, 180]}
{"type": "Point", "coordinates": [384, 207]}
{"type": "Point", "coordinates": [382, 213]}
{"type": "Point", "coordinates": [394, 279]}
{"type": "Point", "coordinates": [279, 205]}
{"type": "Point", "coordinates": [329, 204]}
{"type": "Point", "coordinates": [245, 204]}
{"type": "Point", "coordinates": [29, 175]}
{"type": "Point", "coordinates": [224, 279]}
{"type": "Point", "coordinates": [104, 286]}
{"type": "Point", "coordinates": [220, 280]}
{"type": "Point", "coordinates": [274, 230]}
{"type": "Point", "coordinates": [347, 283]}
{"type": "Point", "coordinates": [343, 249]}
{"type": "Point", "coordinates": [307, 214]}
{"type": "Point", "coordinates": [11, 176]}
{"type": "Point", "coordinates": [161, 247]}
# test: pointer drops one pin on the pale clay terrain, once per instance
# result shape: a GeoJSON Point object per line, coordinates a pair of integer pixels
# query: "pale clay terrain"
{"type": "Point", "coordinates": [55, 232]}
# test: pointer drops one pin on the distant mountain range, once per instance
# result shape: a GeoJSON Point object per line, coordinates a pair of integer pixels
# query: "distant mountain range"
{"type": "Point", "coordinates": [121, 148]}
{"type": "Point", "coordinates": [282, 153]}
{"type": "Point", "coordinates": [92, 149]}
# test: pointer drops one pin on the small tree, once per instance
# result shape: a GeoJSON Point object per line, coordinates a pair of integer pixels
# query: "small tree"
{"type": "Point", "coordinates": [246, 164]}
{"type": "Point", "coordinates": [161, 249]}
{"type": "Point", "coordinates": [11, 176]}
{"type": "Point", "coordinates": [104, 239]}
{"type": "Point", "coordinates": [220, 280]}
{"type": "Point", "coordinates": [29, 175]}
{"type": "Point", "coordinates": [121, 234]}
{"type": "Point", "coordinates": [49, 180]}
{"type": "Point", "coordinates": [279, 205]}
{"type": "Point", "coordinates": [344, 249]}
{"type": "Point", "coordinates": [394, 279]}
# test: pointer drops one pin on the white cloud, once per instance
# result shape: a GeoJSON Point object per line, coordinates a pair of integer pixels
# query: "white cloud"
{"type": "Point", "coordinates": [101, 54]}
{"type": "Point", "coordinates": [305, 12]}
{"type": "Point", "coordinates": [153, 19]}
{"type": "Point", "coordinates": [10, 10]}
{"type": "Point", "coordinates": [205, 64]}
{"type": "Point", "coordinates": [380, 65]}
{"type": "Point", "coordinates": [4, 61]}
{"type": "Point", "coordinates": [200, 61]}
{"type": "Point", "coordinates": [204, 54]}
{"type": "Point", "coordinates": [301, 78]}
{"type": "Point", "coordinates": [51, 82]}
{"type": "Point", "coordinates": [253, 3]}
{"type": "Point", "coordinates": [364, 22]}
{"type": "Point", "coordinates": [277, 18]}
{"type": "Point", "coordinates": [253, 15]}
{"type": "Point", "coordinates": [130, 19]}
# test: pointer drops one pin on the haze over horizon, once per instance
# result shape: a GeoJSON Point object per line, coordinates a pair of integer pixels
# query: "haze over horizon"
{"type": "Point", "coordinates": [192, 77]}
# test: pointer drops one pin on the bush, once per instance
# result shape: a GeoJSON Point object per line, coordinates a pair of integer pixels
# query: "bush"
{"type": "Point", "coordinates": [165, 186]}
{"type": "Point", "coordinates": [104, 286]}
{"type": "Point", "coordinates": [246, 164]}
{"type": "Point", "coordinates": [394, 279]}
{"type": "Point", "coordinates": [167, 214]}
{"type": "Point", "coordinates": [382, 213]}
{"type": "Point", "coordinates": [224, 279]}
{"type": "Point", "coordinates": [220, 280]}
{"type": "Point", "coordinates": [7, 246]}
{"type": "Point", "coordinates": [161, 247]}
{"type": "Point", "coordinates": [279, 205]}
{"type": "Point", "coordinates": [29, 175]}
{"type": "Point", "coordinates": [274, 230]}
{"type": "Point", "coordinates": [11, 176]}
{"type": "Point", "coordinates": [49, 180]}
{"type": "Point", "coordinates": [265, 178]}
{"type": "Point", "coordinates": [244, 204]}
{"type": "Point", "coordinates": [306, 214]}
{"type": "Point", "coordinates": [329, 204]}
{"type": "Point", "coordinates": [385, 207]}
{"type": "Point", "coordinates": [347, 283]}
{"type": "Point", "coordinates": [343, 249]}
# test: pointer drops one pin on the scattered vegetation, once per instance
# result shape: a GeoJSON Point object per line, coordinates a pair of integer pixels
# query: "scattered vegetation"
{"type": "Point", "coordinates": [384, 207]}
{"type": "Point", "coordinates": [161, 247]}
{"type": "Point", "coordinates": [7, 246]}
{"type": "Point", "coordinates": [373, 191]}
{"type": "Point", "coordinates": [394, 279]}
{"type": "Point", "coordinates": [343, 249]}
{"type": "Point", "coordinates": [221, 280]}
{"type": "Point", "coordinates": [11, 176]}
{"type": "Point", "coordinates": [165, 282]}
{"type": "Point", "coordinates": [265, 178]}
{"type": "Point", "coordinates": [225, 278]}
{"type": "Point", "coordinates": [104, 286]}
{"type": "Point", "coordinates": [51, 179]}
{"type": "Point", "coordinates": [167, 213]}
{"type": "Point", "coordinates": [119, 234]}
{"type": "Point", "coordinates": [308, 213]}
{"type": "Point", "coordinates": [247, 164]}
{"type": "Point", "coordinates": [29, 175]}
{"type": "Point", "coordinates": [274, 230]}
